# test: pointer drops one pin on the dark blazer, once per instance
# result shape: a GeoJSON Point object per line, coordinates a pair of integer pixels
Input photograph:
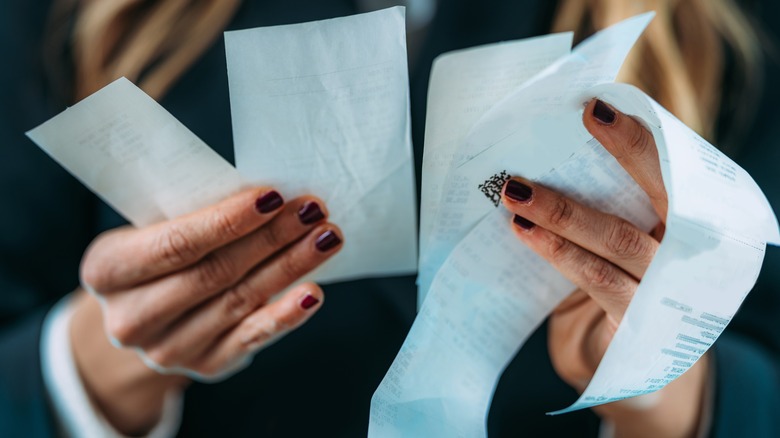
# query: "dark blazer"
{"type": "Point", "coordinates": [319, 380]}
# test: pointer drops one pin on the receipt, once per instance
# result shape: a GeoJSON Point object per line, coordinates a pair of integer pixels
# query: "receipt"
{"type": "Point", "coordinates": [323, 108]}
{"type": "Point", "coordinates": [595, 61]}
{"type": "Point", "coordinates": [463, 86]}
{"type": "Point", "coordinates": [136, 156]}
{"type": "Point", "coordinates": [717, 228]}
{"type": "Point", "coordinates": [491, 292]}
{"type": "Point", "coordinates": [318, 108]}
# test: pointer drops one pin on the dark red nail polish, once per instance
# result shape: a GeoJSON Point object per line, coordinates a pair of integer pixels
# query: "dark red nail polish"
{"type": "Point", "coordinates": [603, 113]}
{"type": "Point", "coordinates": [523, 222]}
{"type": "Point", "coordinates": [517, 191]}
{"type": "Point", "coordinates": [310, 213]}
{"type": "Point", "coordinates": [327, 241]}
{"type": "Point", "coordinates": [308, 302]}
{"type": "Point", "coordinates": [269, 202]}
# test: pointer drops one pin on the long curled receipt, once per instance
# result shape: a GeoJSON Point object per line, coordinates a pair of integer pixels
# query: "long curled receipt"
{"type": "Point", "coordinates": [490, 292]}
{"type": "Point", "coordinates": [318, 108]}
{"type": "Point", "coordinates": [323, 108]}
{"type": "Point", "coordinates": [463, 85]}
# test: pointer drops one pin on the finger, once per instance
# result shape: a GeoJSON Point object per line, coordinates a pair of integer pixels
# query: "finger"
{"type": "Point", "coordinates": [605, 235]}
{"type": "Point", "coordinates": [135, 316]}
{"type": "Point", "coordinates": [188, 337]}
{"type": "Point", "coordinates": [130, 256]}
{"type": "Point", "coordinates": [609, 286]}
{"type": "Point", "coordinates": [260, 329]}
{"type": "Point", "coordinates": [632, 145]}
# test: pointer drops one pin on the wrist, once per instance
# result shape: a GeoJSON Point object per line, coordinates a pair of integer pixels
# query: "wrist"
{"type": "Point", "coordinates": [128, 394]}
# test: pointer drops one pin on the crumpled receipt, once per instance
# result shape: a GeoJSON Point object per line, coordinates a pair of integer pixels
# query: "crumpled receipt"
{"type": "Point", "coordinates": [319, 108]}
{"type": "Point", "coordinates": [485, 293]}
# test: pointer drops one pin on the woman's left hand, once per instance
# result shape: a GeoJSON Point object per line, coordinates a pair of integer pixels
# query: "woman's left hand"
{"type": "Point", "coordinates": [606, 257]}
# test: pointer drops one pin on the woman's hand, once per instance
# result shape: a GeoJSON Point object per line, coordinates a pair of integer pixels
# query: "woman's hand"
{"type": "Point", "coordinates": [606, 257]}
{"type": "Point", "coordinates": [192, 296]}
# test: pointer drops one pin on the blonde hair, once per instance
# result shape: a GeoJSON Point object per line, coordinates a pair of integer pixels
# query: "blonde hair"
{"type": "Point", "coordinates": [681, 58]}
{"type": "Point", "coordinates": [150, 42]}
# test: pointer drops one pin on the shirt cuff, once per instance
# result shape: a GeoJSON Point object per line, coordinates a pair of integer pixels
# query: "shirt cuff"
{"type": "Point", "coordinates": [75, 414]}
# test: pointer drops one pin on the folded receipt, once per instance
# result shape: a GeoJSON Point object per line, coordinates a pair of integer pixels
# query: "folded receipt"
{"type": "Point", "coordinates": [318, 108]}
{"type": "Point", "coordinates": [483, 293]}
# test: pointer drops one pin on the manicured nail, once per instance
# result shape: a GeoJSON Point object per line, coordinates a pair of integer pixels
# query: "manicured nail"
{"type": "Point", "coordinates": [269, 202]}
{"type": "Point", "coordinates": [310, 213]}
{"type": "Point", "coordinates": [517, 191]}
{"type": "Point", "coordinates": [523, 222]}
{"type": "Point", "coordinates": [327, 241]}
{"type": "Point", "coordinates": [308, 302]}
{"type": "Point", "coordinates": [603, 113]}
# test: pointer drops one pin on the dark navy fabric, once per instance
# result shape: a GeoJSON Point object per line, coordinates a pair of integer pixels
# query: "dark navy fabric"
{"type": "Point", "coordinates": [319, 380]}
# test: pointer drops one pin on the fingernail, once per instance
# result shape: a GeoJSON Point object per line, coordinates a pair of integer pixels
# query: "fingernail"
{"type": "Point", "coordinates": [517, 191]}
{"type": "Point", "coordinates": [269, 202]}
{"type": "Point", "coordinates": [523, 222]}
{"type": "Point", "coordinates": [603, 113]}
{"type": "Point", "coordinates": [308, 302]}
{"type": "Point", "coordinates": [327, 241]}
{"type": "Point", "coordinates": [310, 213]}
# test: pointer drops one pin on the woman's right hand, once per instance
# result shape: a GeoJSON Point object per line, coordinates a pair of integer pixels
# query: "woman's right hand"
{"type": "Point", "coordinates": [192, 295]}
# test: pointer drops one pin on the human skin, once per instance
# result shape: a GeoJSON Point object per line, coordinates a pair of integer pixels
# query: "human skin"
{"type": "Point", "coordinates": [201, 303]}
{"type": "Point", "coordinates": [193, 294]}
{"type": "Point", "coordinates": [605, 257]}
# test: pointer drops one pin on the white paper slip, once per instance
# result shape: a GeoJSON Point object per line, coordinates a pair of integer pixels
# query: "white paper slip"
{"type": "Point", "coordinates": [718, 224]}
{"type": "Point", "coordinates": [596, 60]}
{"type": "Point", "coordinates": [463, 86]}
{"type": "Point", "coordinates": [323, 108]}
{"type": "Point", "coordinates": [491, 292]}
{"type": "Point", "coordinates": [478, 313]}
{"type": "Point", "coordinates": [469, 327]}
{"type": "Point", "coordinates": [135, 155]}
{"type": "Point", "coordinates": [318, 108]}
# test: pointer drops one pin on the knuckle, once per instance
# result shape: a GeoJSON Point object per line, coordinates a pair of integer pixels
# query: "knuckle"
{"type": "Point", "coordinates": [122, 327]}
{"type": "Point", "coordinates": [558, 248]}
{"type": "Point", "coordinates": [638, 141]}
{"type": "Point", "coordinates": [224, 226]}
{"type": "Point", "coordinates": [625, 241]}
{"type": "Point", "coordinates": [214, 272]}
{"type": "Point", "coordinates": [601, 276]}
{"type": "Point", "coordinates": [286, 322]}
{"type": "Point", "coordinates": [561, 212]}
{"type": "Point", "coordinates": [237, 303]}
{"type": "Point", "coordinates": [271, 238]}
{"type": "Point", "coordinates": [291, 266]}
{"type": "Point", "coordinates": [258, 336]}
{"type": "Point", "coordinates": [175, 246]}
